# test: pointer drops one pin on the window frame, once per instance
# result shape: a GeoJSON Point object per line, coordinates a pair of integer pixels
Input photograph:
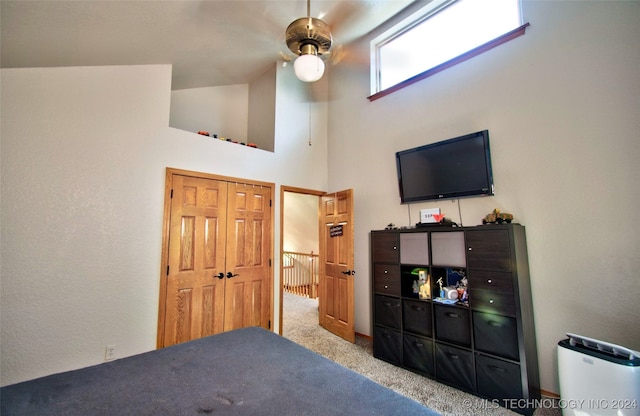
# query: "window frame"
{"type": "Point", "coordinates": [409, 23]}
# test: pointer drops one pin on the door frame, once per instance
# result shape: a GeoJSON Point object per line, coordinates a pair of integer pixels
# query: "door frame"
{"type": "Point", "coordinates": [166, 225]}
{"type": "Point", "coordinates": [304, 191]}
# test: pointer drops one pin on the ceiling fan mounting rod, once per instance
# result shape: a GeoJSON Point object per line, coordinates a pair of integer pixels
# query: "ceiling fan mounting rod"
{"type": "Point", "coordinates": [308, 31]}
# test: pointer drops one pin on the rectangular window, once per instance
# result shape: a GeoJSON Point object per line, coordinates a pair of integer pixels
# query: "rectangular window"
{"type": "Point", "coordinates": [439, 33]}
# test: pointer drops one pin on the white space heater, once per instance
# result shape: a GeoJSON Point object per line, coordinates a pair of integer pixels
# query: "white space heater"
{"type": "Point", "coordinates": [598, 378]}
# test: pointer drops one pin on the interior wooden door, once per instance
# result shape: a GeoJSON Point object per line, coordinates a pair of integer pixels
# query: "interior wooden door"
{"type": "Point", "coordinates": [216, 269]}
{"type": "Point", "coordinates": [336, 264]}
{"type": "Point", "coordinates": [194, 302]}
{"type": "Point", "coordinates": [247, 261]}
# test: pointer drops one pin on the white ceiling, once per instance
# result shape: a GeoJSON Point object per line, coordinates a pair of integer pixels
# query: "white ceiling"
{"type": "Point", "coordinates": [208, 42]}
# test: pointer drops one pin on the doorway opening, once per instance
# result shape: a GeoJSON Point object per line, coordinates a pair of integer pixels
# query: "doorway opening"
{"type": "Point", "coordinates": [299, 250]}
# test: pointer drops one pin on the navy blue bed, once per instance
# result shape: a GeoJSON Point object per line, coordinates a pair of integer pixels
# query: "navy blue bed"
{"type": "Point", "coordinates": [249, 371]}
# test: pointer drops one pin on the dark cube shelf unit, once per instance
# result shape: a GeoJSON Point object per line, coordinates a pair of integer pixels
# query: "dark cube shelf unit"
{"type": "Point", "coordinates": [485, 346]}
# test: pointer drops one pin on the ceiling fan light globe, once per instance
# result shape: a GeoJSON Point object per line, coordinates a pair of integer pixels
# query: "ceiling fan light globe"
{"type": "Point", "coordinates": [308, 68]}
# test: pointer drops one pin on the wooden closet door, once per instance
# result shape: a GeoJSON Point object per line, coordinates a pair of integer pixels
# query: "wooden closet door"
{"type": "Point", "coordinates": [194, 303]}
{"type": "Point", "coordinates": [247, 298]}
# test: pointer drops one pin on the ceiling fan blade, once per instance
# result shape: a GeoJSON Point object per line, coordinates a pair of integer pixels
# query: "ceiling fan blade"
{"type": "Point", "coordinates": [286, 57]}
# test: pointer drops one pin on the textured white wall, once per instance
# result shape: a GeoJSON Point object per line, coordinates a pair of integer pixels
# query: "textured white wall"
{"type": "Point", "coordinates": [84, 152]}
{"type": "Point", "coordinates": [222, 110]}
{"type": "Point", "coordinates": [300, 228]}
{"type": "Point", "coordinates": [262, 109]}
{"type": "Point", "coordinates": [561, 104]}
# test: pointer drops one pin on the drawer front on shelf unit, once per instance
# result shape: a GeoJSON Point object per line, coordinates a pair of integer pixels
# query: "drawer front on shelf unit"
{"type": "Point", "coordinates": [493, 302]}
{"type": "Point", "coordinates": [387, 345]}
{"type": "Point", "coordinates": [454, 366]}
{"type": "Point", "coordinates": [385, 247]}
{"type": "Point", "coordinates": [496, 335]}
{"type": "Point", "coordinates": [416, 317]}
{"type": "Point", "coordinates": [386, 279]}
{"type": "Point", "coordinates": [488, 250]}
{"type": "Point", "coordinates": [497, 378]}
{"type": "Point", "coordinates": [493, 281]}
{"type": "Point", "coordinates": [418, 354]}
{"type": "Point", "coordinates": [388, 311]}
{"type": "Point", "coordinates": [452, 325]}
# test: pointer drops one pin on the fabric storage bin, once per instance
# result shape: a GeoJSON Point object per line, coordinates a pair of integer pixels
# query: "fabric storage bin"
{"type": "Point", "coordinates": [418, 354]}
{"type": "Point", "coordinates": [452, 325]}
{"type": "Point", "coordinates": [454, 366]}
{"type": "Point", "coordinates": [388, 311]}
{"type": "Point", "coordinates": [495, 334]}
{"type": "Point", "coordinates": [387, 345]}
{"type": "Point", "coordinates": [416, 317]}
{"type": "Point", "coordinates": [498, 378]}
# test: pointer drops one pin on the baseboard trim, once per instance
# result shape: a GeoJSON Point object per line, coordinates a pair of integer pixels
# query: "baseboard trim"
{"type": "Point", "coordinates": [367, 337]}
{"type": "Point", "coordinates": [549, 394]}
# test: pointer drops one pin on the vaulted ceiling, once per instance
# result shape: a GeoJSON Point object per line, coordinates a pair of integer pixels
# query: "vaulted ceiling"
{"type": "Point", "coordinates": [208, 42]}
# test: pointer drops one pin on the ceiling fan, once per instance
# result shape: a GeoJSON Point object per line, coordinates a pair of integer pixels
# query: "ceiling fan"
{"type": "Point", "coordinates": [309, 38]}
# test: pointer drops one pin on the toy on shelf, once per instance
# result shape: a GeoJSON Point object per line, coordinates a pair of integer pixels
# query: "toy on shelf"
{"type": "Point", "coordinates": [422, 286]}
{"type": "Point", "coordinates": [497, 217]}
{"type": "Point", "coordinates": [461, 286]}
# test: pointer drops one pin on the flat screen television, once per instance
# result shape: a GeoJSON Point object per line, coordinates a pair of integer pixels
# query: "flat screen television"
{"type": "Point", "coordinates": [453, 168]}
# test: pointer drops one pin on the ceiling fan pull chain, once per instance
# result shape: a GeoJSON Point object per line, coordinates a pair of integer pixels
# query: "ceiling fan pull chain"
{"type": "Point", "coordinates": [309, 121]}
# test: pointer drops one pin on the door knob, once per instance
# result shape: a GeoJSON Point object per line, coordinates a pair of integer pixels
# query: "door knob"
{"type": "Point", "coordinates": [220, 275]}
{"type": "Point", "coordinates": [230, 275]}
{"type": "Point", "coordinates": [349, 272]}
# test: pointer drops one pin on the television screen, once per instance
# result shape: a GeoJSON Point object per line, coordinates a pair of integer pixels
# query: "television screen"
{"type": "Point", "coordinates": [452, 168]}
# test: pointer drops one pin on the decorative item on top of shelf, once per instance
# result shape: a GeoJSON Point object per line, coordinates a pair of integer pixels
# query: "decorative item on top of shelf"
{"type": "Point", "coordinates": [430, 215]}
{"type": "Point", "coordinates": [215, 136]}
{"type": "Point", "coordinates": [497, 217]}
{"type": "Point", "coordinates": [438, 217]}
{"type": "Point", "coordinates": [440, 221]}
{"type": "Point", "coordinates": [422, 286]}
{"type": "Point", "coordinates": [390, 226]}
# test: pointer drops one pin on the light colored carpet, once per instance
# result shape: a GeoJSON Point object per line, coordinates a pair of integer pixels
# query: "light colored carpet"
{"type": "Point", "coordinates": [300, 324]}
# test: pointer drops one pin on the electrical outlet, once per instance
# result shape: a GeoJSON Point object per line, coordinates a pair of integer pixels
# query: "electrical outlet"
{"type": "Point", "coordinates": [110, 353]}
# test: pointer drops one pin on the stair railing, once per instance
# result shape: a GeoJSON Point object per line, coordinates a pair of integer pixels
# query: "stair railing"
{"type": "Point", "coordinates": [300, 273]}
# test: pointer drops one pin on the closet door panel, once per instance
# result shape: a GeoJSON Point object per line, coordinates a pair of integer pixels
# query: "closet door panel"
{"type": "Point", "coordinates": [194, 302]}
{"type": "Point", "coordinates": [247, 257]}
